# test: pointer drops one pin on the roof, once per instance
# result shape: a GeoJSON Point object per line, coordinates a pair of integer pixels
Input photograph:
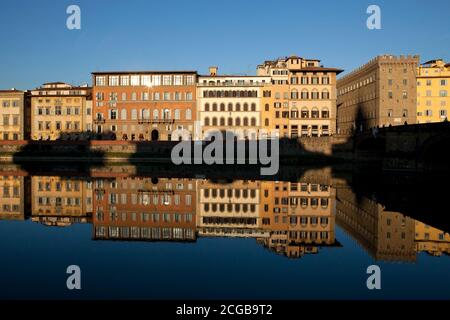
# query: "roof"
{"type": "Point", "coordinates": [432, 61]}
{"type": "Point", "coordinates": [231, 76]}
{"type": "Point", "coordinates": [142, 72]}
{"type": "Point", "coordinates": [12, 91]}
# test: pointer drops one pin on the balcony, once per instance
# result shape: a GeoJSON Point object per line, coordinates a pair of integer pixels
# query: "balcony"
{"type": "Point", "coordinates": [156, 121]}
{"type": "Point", "coordinates": [99, 121]}
{"type": "Point", "coordinates": [233, 84]}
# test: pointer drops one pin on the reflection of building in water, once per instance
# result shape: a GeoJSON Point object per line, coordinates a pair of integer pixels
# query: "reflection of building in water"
{"type": "Point", "coordinates": [288, 218]}
{"type": "Point", "coordinates": [431, 240]}
{"type": "Point", "coordinates": [145, 209]}
{"type": "Point", "coordinates": [59, 201]}
{"type": "Point", "coordinates": [12, 198]}
{"type": "Point", "coordinates": [230, 210]}
{"type": "Point", "coordinates": [299, 216]}
{"type": "Point", "coordinates": [385, 235]}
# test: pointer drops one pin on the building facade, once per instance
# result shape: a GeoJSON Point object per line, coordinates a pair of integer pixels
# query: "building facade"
{"type": "Point", "coordinates": [146, 105]}
{"type": "Point", "coordinates": [145, 209]}
{"type": "Point", "coordinates": [61, 111]}
{"type": "Point", "coordinates": [302, 101]}
{"type": "Point", "coordinates": [382, 92]}
{"type": "Point", "coordinates": [14, 108]}
{"type": "Point", "coordinates": [59, 201]}
{"type": "Point", "coordinates": [230, 103]}
{"type": "Point", "coordinates": [433, 88]}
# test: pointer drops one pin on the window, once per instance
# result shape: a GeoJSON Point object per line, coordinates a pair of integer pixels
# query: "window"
{"type": "Point", "coordinates": [178, 80]}
{"type": "Point", "coordinates": [188, 114]}
{"type": "Point", "coordinates": [305, 113]}
{"type": "Point", "coordinates": [325, 94]}
{"type": "Point", "coordinates": [100, 80]}
{"type": "Point", "coordinates": [190, 80]}
{"type": "Point", "coordinates": [177, 114]}
{"type": "Point", "coordinates": [113, 114]}
{"type": "Point", "coordinates": [405, 95]}
{"type": "Point", "coordinates": [135, 80]}
{"type": "Point", "coordinates": [125, 80]}
{"type": "Point", "coordinates": [146, 80]}
{"type": "Point", "coordinates": [390, 95]}
{"type": "Point", "coordinates": [188, 96]}
{"type": "Point", "coordinates": [113, 80]}
{"type": "Point", "coordinates": [428, 113]}
{"type": "Point", "coordinates": [156, 80]}
{"type": "Point", "coordinates": [325, 113]}
{"type": "Point", "coordinates": [443, 113]}
{"type": "Point", "coordinates": [444, 82]}
{"type": "Point", "coordinates": [315, 113]}
{"type": "Point", "coordinates": [294, 94]}
{"type": "Point", "coordinates": [390, 113]}
{"type": "Point", "coordinates": [443, 93]}
{"type": "Point", "coordinates": [405, 113]}
{"type": "Point", "coordinates": [58, 110]}
{"type": "Point", "coordinates": [428, 82]}
{"type": "Point", "coordinates": [167, 80]}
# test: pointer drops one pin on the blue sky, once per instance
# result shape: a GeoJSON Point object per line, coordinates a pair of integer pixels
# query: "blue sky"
{"type": "Point", "coordinates": [236, 35]}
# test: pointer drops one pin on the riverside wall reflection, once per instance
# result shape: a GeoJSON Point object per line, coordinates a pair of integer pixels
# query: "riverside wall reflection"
{"type": "Point", "coordinates": [288, 218]}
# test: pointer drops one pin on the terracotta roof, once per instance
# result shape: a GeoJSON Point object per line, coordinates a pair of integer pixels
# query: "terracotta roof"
{"type": "Point", "coordinates": [142, 72]}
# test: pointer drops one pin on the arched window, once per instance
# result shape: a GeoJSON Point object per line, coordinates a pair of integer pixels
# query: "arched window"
{"type": "Point", "coordinates": [305, 113]}
{"type": "Point", "coordinates": [145, 114]}
{"type": "Point", "coordinates": [253, 108]}
{"type": "Point", "coordinates": [315, 113]}
{"type": "Point", "coordinates": [206, 106]}
{"type": "Point", "coordinates": [238, 122]}
{"type": "Point", "coordinates": [294, 94]}
{"type": "Point", "coordinates": [123, 114]}
{"type": "Point", "coordinates": [188, 114]}
{"type": "Point", "coordinates": [214, 121]}
{"type": "Point", "coordinates": [155, 114]}
{"type": "Point", "coordinates": [253, 122]}
{"type": "Point", "coordinates": [222, 121]}
{"type": "Point", "coordinates": [305, 94]}
{"type": "Point", "coordinates": [315, 94]}
{"type": "Point", "coordinates": [245, 122]}
{"type": "Point", "coordinates": [134, 114]}
{"type": "Point", "coordinates": [177, 114]}
{"type": "Point", "coordinates": [206, 121]}
{"type": "Point", "coordinates": [230, 121]}
{"type": "Point", "coordinates": [325, 113]}
{"type": "Point", "coordinates": [266, 122]}
{"type": "Point", "coordinates": [266, 107]}
{"type": "Point", "coordinates": [166, 114]}
{"type": "Point", "coordinates": [222, 107]}
{"type": "Point", "coordinates": [294, 113]}
{"type": "Point", "coordinates": [230, 107]}
{"type": "Point", "coordinates": [214, 107]}
{"type": "Point", "coordinates": [325, 94]}
{"type": "Point", "coordinates": [238, 107]}
{"type": "Point", "coordinates": [245, 106]}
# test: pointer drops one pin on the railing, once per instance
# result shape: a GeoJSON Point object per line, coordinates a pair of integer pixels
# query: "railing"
{"type": "Point", "coordinates": [98, 121]}
{"type": "Point", "coordinates": [156, 121]}
{"type": "Point", "coordinates": [233, 84]}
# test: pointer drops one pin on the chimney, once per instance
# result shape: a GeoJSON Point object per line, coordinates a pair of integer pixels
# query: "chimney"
{"type": "Point", "coordinates": [213, 71]}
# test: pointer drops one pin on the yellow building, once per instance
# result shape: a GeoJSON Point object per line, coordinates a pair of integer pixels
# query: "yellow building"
{"type": "Point", "coordinates": [13, 109]}
{"type": "Point", "coordinates": [12, 198]}
{"type": "Point", "coordinates": [431, 240]}
{"type": "Point", "coordinates": [59, 201]}
{"type": "Point", "coordinates": [61, 111]}
{"type": "Point", "coordinates": [433, 86]}
{"type": "Point", "coordinates": [303, 97]}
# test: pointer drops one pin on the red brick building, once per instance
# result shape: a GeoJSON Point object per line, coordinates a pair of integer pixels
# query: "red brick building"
{"type": "Point", "coordinates": [144, 105]}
